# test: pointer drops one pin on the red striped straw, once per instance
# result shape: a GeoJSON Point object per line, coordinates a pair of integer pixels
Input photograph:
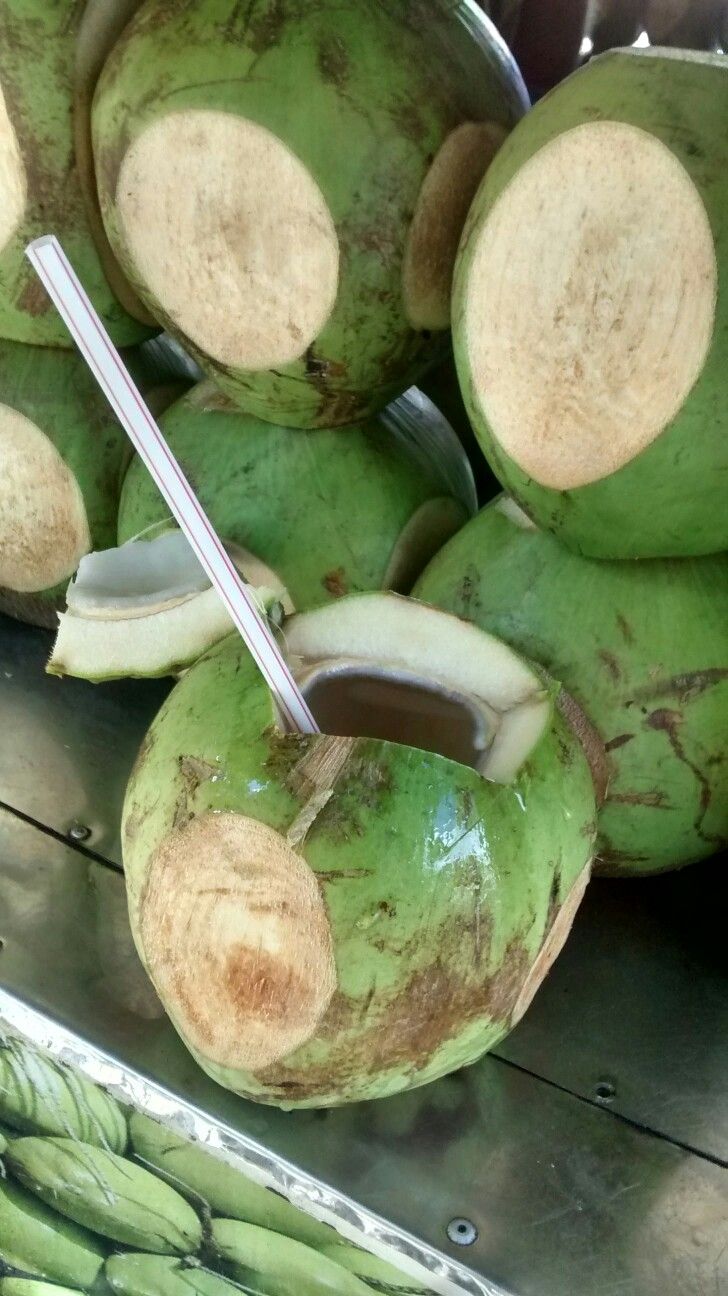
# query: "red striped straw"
{"type": "Point", "coordinates": [51, 264]}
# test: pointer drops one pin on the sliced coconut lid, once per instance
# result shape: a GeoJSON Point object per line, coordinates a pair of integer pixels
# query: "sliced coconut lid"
{"type": "Point", "coordinates": [147, 608]}
{"type": "Point", "coordinates": [485, 698]}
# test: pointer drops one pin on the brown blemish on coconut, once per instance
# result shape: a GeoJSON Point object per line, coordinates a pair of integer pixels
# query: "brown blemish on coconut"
{"type": "Point", "coordinates": [34, 299]}
{"type": "Point", "coordinates": [619, 741]}
{"type": "Point", "coordinates": [590, 740]}
{"type": "Point", "coordinates": [442, 206]}
{"type": "Point", "coordinates": [43, 525]}
{"type": "Point", "coordinates": [669, 722]}
{"type": "Point", "coordinates": [587, 328]}
{"type": "Point", "coordinates": [335, 582]}
{"type": "Point", "coordinates": [654, 799]}
{"type": "Point", "coordinates": [684, 687]}
{"type": "Point", "coordinates": [333, 60]}
{"type": "Point", "coordinates": [237, 940]}
{"type": "Point", "coordinates": [247, 224]}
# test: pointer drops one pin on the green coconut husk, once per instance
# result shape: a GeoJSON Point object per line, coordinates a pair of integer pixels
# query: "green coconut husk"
{"type": "Point", "coordinates": [370, 915]}
{"type": "Point", "coordinates": [99, 29]}
{"type": "Point", "coordinates": [40, 190]}
{"type": "Point", "coordinates": [63, 455]}
{"type": "Point", "coordinates": [641, 646]}
{"type": "Point", "coordinates": [333, 292]}
{"type": "Point", "coordinates": [63, 458]}
{"type": "Point", "coordinates": [331, 513]}
{"type": "Point", "coordinates": [590, 307]}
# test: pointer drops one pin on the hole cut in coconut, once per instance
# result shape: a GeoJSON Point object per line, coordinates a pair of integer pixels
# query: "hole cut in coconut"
{"type": "Point", "coordinates": [147, 608]}
{"type": "Point", "coordinates": [351, 699]}
{"type": "Point", "coordinates": [381, 666]}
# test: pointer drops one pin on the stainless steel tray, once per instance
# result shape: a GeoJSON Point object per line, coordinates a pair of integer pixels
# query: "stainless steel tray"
{"type": "Point", "coordinates": [589, 1156]}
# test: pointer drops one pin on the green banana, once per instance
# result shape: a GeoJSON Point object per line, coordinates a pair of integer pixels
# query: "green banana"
{"type": "Point", "coordinates": [31, 1287]}
{"type": "Point", "coordinates": [107, 1193]}
{"type": "Point", "coordinates": [380, 1275]}
{"type": "Point", "coordinates": [278, 1266]}
{"type": "Point", "coordinates": [150, 1275]}
{"type": "Point", "coordinates": [227, 1191]}
{"type": "Point", "coordinates": [39, 1097]}
{"type": "Point", "coordinates": [34, 1238]}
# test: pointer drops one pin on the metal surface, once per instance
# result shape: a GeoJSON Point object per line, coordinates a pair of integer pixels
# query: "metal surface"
{"type": "Point", "coordinates": [635, 1012]}
{"type": "Point", "coordinates": [565, 1197]}
{"type": "Point", "coordinates": [66, 747]}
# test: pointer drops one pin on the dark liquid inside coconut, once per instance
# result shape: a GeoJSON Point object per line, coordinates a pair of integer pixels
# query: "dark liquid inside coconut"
{"type": "Point", "coordinates": [351, 702]}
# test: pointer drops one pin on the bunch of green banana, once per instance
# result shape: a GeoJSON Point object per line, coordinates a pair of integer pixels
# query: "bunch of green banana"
{"type": "Point", "coordinates": [35, 1240]}
{"type": "Point", "coordinates": [71, 1196]}
{"type": "Point", "coordinates": [31, 1287]}
{"type": "Point", "coordinates": [107, 1193]}
{"type": "Point", "coordinates": [277, 1266]}
{"type": "Point", "coordinates": [39, 1097]}
{"type": "Point", "coordinates": [151, 1275]}
{"type": "Point", "coordinates": [225, 1190]}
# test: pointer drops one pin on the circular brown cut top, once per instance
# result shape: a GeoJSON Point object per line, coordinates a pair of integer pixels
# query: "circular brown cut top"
{"type": "Point", "coordinates": [442, 206]}
{"type": "Point", "coordinates": [231, 234]}
{"type": "Point", "coordinates": [237, 940]}
{"type": "Point", "coordinates": [12, 178]}
{"type": "Point", "coordinates": [43, 526]}
{"type": "Point", "coordinates": [590, 303]}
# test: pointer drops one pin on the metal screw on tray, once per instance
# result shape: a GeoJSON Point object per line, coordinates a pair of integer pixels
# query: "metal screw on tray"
{"type": "Point", "coordinates": [462, 1231]}
{"type": "Point", "coordinates": [79, 832]}
{"type": "Point", "coordinates": [604, 1091]}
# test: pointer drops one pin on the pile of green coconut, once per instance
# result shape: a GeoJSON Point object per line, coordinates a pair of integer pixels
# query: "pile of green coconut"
{"type": "Point", "coordinates": [353, 274]}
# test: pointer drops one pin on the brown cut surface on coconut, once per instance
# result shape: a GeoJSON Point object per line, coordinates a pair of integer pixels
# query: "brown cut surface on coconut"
{"type": "Point", "coordinates": [237, 940]}
{"type": "Point", "coordinates": [43, 525]}
{"type": "Point", "coordinates": [552, 946]}
{"type": "Point", "coordinates": [232, 235]}
{"type": "Point", "coordinates": [442, 206]}
{"type": "Point", "coordinates": [13, 191]}
{"type": "Point", "coordinates": [590, 303]}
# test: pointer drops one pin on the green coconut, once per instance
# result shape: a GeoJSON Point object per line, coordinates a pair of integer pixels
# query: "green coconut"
{"type": "Point", "coordinates": [40, 189]}
{"type": "Point", "coordinates": [643, 647]}
{"type": "Point", "coordinates": [63, 455]}
{"type": "Point", "coordinates": [332, 918]}
{"type": "Point", "coordinates": [332, 513]}
{"type": "Point", "coordinates": [285, 185]}
{"type": "Point", "coordinates": [590, 307]}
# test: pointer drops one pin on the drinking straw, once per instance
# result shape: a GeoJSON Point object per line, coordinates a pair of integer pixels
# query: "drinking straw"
{"type": "Point", "coordinates": [51, 264]}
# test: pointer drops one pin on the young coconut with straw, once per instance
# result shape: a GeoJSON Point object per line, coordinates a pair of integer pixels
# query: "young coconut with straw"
{"type": "Point", "coordinates": [327, 916]}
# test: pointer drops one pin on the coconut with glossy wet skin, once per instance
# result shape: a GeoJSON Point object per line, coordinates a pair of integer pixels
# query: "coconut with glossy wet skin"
{"type": "Point", "coordinates": [590, 310]}
{"type": "Point", "coordinates": [643, 647]}
{"type": "Point", "coordinates": [371, 913]}
{"type": "Point", "coordinates": [309, 167]}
